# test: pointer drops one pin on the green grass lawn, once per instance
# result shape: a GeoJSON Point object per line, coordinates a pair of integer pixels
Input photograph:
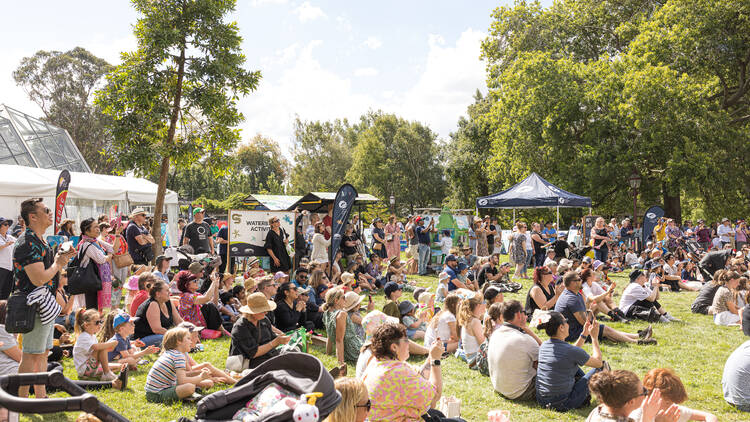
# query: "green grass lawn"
{"type": "Point", "coordinates": [696, 349]}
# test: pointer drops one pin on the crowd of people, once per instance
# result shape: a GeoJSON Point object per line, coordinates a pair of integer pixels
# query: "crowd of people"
{"type": "Point", "coordinates": [169, 310]}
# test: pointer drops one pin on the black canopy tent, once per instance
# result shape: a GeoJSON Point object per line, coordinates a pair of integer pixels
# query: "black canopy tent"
{"type": "Point", "coordinates": [534, 192]}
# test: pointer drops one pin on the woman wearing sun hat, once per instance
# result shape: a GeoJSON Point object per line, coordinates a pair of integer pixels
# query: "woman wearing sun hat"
{"type": "Point", "coordinates": [253, 338]}
{"type": "Point", "coordinates": [339, 327]}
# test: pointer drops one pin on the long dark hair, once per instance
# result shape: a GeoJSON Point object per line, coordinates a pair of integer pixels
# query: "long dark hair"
{"type": "Point", "coordinates": [281, 293]}
{"type": "Point", "coordinates": [556, 320]}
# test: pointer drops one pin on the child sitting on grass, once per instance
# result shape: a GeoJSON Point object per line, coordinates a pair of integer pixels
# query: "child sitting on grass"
{"type": "Point", "coordinates": [167, 380]}
{"type": "Point", "coordinates": [193, 368]}
{"type": "Point", "coordinates": [415, 326]}
{"type": "Point", "coordinates": [118, 327]}
{"type": "Point", "coordinates": [90, 357]}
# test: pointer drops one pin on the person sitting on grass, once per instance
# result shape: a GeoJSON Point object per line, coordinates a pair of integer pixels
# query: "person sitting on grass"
{"type": "Point", "coordinates": [600, 298]}
{"type": "Point", "coordinates": [442, 288]}
{"type": "Point", "coordinates": [543, 294]}
{"type": "Point", "coordinates": [156, 315]}
{"type": "Point", "coordinates": [145, 281]}
{"type": "Point", "coordinates": [119, 326]}
{"type": "Point", "coordinates": [470, 312]}
{"type": "Point", "coordinates": [415, 326]}
{"type": "Point", "coordinates": [392, 291]}
{"type": "Point", "coordinates": [672, 394]}
{"type": "Point", "coordinates": [252, 335]}
{"type": "Point", "coordinates": [442, 327]}
{"type": "Point", "coordinates": [736, 378]}
{"type": "Point", "coordinates": [639, 301]}
{"type": "Point", "coordinates": [167, 380]}
{"type": "Point", "coordinates": [621, 393]}
{"type": "Point", "coordinates": [340, 328]}
{"type": "Point", "coordinates": [355, 401]}
{"type": "Point", "coordinates": [573, 307]}
{"type": "Point", "coordinates": [197, 308]}
{"type": "Point", "coordinates": [560, 382]}
{"type": "Point", "coordinates": [673, 275]}
{"type": "Point", "coordinates": [193, 368]}
{"type": "Point", "coordinates": [90, 357]}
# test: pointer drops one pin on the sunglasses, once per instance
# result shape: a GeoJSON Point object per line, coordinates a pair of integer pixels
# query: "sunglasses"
{"type": "Point", "coordinates": [99, 322]}
{"type": "Point", "coordinates": [367, 405]}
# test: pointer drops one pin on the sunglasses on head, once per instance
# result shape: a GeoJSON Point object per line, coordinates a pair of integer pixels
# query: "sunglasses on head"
{"type": "Point", "coordinates": [367, 405]}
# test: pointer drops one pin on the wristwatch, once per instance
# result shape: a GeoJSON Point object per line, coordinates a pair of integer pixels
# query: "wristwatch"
{"type": "Point", "coordinates": [436, 362]}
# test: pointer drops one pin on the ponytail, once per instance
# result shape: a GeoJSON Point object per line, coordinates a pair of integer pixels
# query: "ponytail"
{"type": "Point", "coordinates": [83, 316]}
{"type": "Point", "coordinates": [108, 330]}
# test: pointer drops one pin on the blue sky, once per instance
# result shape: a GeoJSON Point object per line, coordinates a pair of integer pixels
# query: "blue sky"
{"type": "Point", "coordinates": [320, 60]}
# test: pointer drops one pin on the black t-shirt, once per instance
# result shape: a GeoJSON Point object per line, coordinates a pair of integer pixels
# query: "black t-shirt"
{"type": "Point", "coordinates": [30, 249]}
{"type": "Point", "coordinates": [197, 235]}
{"type": "Point", "coordinates": [348, 250]}
{"type": "Point", "coordinates": [223, 234]}
{"type": "Point", "coordinates": [704, 299]}
{"type": "Point", "coordinates": [131, 233]}
{"type": "Point", "coordinates": [491, 237]}
{"type": "Point", "coordinates": [715, 260]}
{"type": "Point", "coordinates": [560, 247]}
{"type": "Point", "coordinates": [486, 269]}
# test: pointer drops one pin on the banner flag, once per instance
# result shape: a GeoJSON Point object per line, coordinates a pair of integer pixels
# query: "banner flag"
{"type": "Point", "coordinates": [650, 219]}
{"type": "Point", "coordinates": [342, 207]}
{"type": "Point", "coordinates": [248, 229]}
{"type": "Point", "coordinates": [63, 182]}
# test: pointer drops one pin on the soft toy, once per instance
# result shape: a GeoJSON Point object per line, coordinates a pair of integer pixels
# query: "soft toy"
{"type": "Point", "coordinates": [307, 412]}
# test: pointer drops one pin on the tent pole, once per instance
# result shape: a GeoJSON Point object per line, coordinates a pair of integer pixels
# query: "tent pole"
{"type": "Point", "coordinates": [558, 219]}
{"type": "Point", "coordinates": [514, 216]}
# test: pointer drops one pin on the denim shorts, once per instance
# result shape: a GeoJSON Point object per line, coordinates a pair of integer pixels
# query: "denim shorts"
{"type": "Point", "coordinates": [39, 340]}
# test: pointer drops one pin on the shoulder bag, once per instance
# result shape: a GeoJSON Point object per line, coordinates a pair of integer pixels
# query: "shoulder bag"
{"type": "Point", "coordinates": [83, 279]}
{"type": "Point", "coordinates": [20, 316]}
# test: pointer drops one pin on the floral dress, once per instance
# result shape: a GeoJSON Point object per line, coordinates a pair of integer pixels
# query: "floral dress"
{"type": "Point", "coordinates": [189, 309]}
{"type": "Point", "coordinates": [482, 246]}
{"type": "Point", "coordinates": [393, 246]}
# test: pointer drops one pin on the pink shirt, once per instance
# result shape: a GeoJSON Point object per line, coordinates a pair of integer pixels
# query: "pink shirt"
{"type": "Point", "coordinates": [398, 393]}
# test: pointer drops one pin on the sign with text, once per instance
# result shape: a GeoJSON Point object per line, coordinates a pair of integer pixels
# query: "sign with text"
{"type": "Point", "coordinates": [248, 230]}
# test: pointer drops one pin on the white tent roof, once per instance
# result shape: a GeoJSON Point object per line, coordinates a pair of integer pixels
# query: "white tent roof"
{"type": "Point", "coordinates": [28, 182]}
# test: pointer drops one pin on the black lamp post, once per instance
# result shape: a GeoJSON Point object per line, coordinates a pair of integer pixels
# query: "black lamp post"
{"type": "Point", "coordinates": [635, 183]}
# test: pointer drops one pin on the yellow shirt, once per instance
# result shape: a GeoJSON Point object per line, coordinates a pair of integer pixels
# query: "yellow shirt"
{"type": "Point", "coordinates": [660, 232]}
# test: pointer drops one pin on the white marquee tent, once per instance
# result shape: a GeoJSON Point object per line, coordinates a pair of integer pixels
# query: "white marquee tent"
{"type": "Point", "coordinates": [89, 194]}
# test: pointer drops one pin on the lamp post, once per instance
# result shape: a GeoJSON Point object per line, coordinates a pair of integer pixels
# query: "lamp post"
{"type": "Point", "coordinates": [635, 183]}
{"type": "Point", "coordinates": [393, 204]}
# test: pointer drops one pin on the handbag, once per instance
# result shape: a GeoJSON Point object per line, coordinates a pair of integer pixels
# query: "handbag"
{"type": "Point", "coordinates": [123, 260]}
{"type": "Point", "coordinates": [20, 316]}
{"type": "Point", "coordinates": [377, 246]}
{"type": "Point", "coordinates": [83, 279]}
{"type": "Point", "coordinates": [237, 363]}
{"type": "Point", "coordinates": [450, 406]}
{"type": "Point", "coordinates": [146, 253]}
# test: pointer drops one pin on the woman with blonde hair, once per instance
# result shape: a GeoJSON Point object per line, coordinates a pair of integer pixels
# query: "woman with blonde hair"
{"type": "Point", "coordinates": [339, 326]}
{"type": "Point", "coordinates": [355, 401]}
{"type": "Point", "coordinates": [443, 325]}
{"type": "Point", "coordinates": [672, 394]}
{"type": "Point", "coordinates": [472, 334]}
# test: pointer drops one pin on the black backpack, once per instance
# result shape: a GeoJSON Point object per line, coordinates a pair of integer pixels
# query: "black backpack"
{"type": "Point", "coordinates": [83, 279]}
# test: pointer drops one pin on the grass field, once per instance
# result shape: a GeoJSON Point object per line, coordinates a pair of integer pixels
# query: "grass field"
{"type": "Point", "coordinates": [695, 348]}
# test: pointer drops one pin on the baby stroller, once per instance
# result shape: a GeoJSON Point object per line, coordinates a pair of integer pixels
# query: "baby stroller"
{"type": "Point", "coordinates": [189, 256]}
{"type": "Point", "coordinates": [579, 252]}
{"type": "Point", "coordinates": [297, 373]}
{"type": "Point", "coordinates": [79, 400]}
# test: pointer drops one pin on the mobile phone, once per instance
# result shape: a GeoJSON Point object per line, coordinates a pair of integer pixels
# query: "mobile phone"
{"type": "Point", "coordinates": [66, 246]}
{"type": "Point", "coordinates": [369, 298]}
{"type": "Point", "coordinates": [589, 316]}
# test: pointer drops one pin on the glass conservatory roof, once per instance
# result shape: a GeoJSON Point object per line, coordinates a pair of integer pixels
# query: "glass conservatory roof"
{"type": "Point", "coordinates": [28, 141]}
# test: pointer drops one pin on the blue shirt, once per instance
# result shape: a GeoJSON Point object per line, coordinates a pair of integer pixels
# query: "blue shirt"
{"type": "Point", "coordinates": [551, 233]}
{"type": "Point", "coordinates": [423, 235]}
{"type": "Point", "coordinates": [452, 274]}
{"type": "Point", "coordinates": [558, 364]}
{"type": "Point", "coordinates": [122, 345]}
{"type": "Point", "coordinates": [568, 304]}
{"type": "Point", "coordinates": [736, 376]}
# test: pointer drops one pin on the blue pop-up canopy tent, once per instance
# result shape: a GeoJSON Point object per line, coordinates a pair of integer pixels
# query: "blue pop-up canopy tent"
{"type": "Point", "coordinates": [534, 192]}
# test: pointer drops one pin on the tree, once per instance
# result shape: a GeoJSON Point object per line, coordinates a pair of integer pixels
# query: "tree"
{"type": "Point", "coordinates": [399, 158]}
{"type": "Point", "coordinates": [62, 84]}
{"type": "Point", "coordinates": [173, 100]}
{"type": "Point", "coordinates": [263, 164]}
{"type": "Point", "coordinates": [322, 155]}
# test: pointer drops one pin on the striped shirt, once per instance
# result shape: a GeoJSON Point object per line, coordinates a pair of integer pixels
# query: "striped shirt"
{"type": "Point", "coordinates": [164, 372]}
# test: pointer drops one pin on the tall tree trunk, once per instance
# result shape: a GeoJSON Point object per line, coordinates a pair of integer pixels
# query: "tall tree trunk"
{"type": "Point", "coordinates": [672, 206]}
{"type": "Point", "coordinates": [164, 171]}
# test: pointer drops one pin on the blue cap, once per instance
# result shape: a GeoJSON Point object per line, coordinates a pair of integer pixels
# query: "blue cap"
{"type": "Point", "coordinates": [451, 257]}
{"type": "Point", "coordinates": [462, 266]}
{"type": "Point", "coordinates": [122, 318]}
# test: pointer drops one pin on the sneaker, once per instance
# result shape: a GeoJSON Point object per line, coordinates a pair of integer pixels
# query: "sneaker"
{"type": "Point", "coordinates": [647, 341]}
{"type": "Point", "coordinates": [664, 319]}
{"type": "Point", "coordinates": [645, 333]}
{"type": "Point", "coordinates": [108, 376]}
{"type": "Point", "coordinates": [671, 318]}
{"type": "Point", "coordinates": [195, 397]}
{"type": "Point", "coordinates": [605, 366]}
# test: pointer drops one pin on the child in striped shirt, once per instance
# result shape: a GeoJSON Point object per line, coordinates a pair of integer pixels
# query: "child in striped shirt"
{"type": "Point", "coordinates": [167, 380]}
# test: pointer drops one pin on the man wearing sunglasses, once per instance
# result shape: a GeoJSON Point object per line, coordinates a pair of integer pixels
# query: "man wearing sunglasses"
{"type": "Point", "coordinates": [35, 266]}
{"type": "Point", "coordinates": [6, 258]}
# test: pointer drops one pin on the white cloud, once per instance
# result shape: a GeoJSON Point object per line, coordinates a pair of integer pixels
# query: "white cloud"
{"type": "Point", "coordinates": [366, 71]}
{"type": "Point", "coordinates": [373, 43]}
{"type": "Point", "coordinates": [307, 12]}
{"type": "Point", "coordinates": [305, 87]}
{"type": "Point", "coordinates": [256, 3]}
{"type": "Point", "coordinates": [343, 24]}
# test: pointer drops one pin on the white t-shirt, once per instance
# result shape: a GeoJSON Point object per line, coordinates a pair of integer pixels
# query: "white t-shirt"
{"type": "Point", "coordinates": [633, 293]}
{"type": "Point", "coordinates": [685, 414]}
{"type": "Point", "coordinates": [468, 341]}
{"type": "Point", "coordinates": [670, 270]}
{"type": "Point", "coordinates": [441, 330]}
{"type": "Point", "coordinates": [8, 366]}
{"type": "Point", "coordinates": [594, 290]}
{"type": "Point", "coordinates": [716, 243]}
{"type": "Point", "coordinates": [319, 248]}
{"type": "Point", "coordinates": [446, 243]}
{"type": "Point", "coordinates": [363, 361]}
{"type": "Point", "coordinates": [510, 358]}
{"type": "Point", "coordinates": [82, 351]}
{"type": "Point", "coordinates": [631, 259]}
{"type": "Point", "coordinates": [6, 254]}
{"type": "Point", "coordinates": [549, 261]}
{"type": "Point", "coordinates": [722, 231]}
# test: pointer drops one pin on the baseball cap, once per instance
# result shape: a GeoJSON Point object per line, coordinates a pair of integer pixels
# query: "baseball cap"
{"type": "Point", "coordinates": [451, 257]}
{"type": "Point", "coordinates": [190, 326]}
{"type": "Point", "coordinates": [635, 274]}
{"type": "Point", "coordinates": [491, 293]}
{"type": "Point", "coordinates": [195, 268]}
{"type": "Point", "coordinates": [122, 318]}
{"type": "Point", "coordinates": [161, 258]}
{"type": "Point", "coordinates": [418, 219]}
{"type": "Point", "coordinates": [196, 210]}
{"type": "Point", "coordinates": [462, 266]}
